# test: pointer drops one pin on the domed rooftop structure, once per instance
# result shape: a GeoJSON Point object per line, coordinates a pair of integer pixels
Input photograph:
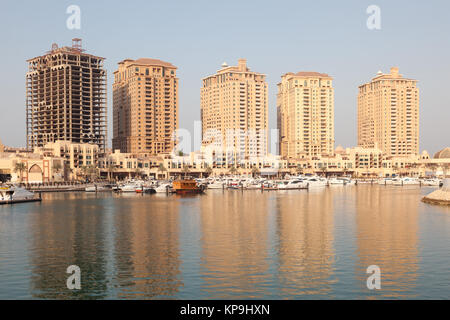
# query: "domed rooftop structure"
{"type": "Point", "coordinates": [339, 149]}
{"type": "Point", "coordinates": [443, 154]}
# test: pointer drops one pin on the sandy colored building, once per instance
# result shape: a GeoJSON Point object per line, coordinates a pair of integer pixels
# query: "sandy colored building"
{"type": "Point", "coordinates": [234, 107]}
{"type": "Point", "coordinates": [66, 97]}
{"type": "Point", "coordinates": [388, 114]}
{"type": "Point", "coordinates": [145, 106]}
{"type": "Point", "coordinates": [36, 168]}
{"type": "Point", "coordinates": [75, 155]}
{"type": "Point", "coordinates": [305, 111]}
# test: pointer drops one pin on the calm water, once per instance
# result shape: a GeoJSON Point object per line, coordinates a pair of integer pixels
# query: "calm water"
{"type": "Point", "coordinates": [228, 245]}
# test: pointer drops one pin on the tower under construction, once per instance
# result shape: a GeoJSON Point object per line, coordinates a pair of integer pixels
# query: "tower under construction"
{"type": "Point", "coordinates": [66, 97]}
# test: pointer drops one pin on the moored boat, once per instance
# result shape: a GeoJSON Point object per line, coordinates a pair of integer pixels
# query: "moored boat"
{"type": "Point", "coordinates": [187, 186]}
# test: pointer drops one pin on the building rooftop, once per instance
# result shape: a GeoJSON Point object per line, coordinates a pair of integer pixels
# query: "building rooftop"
{"type": "Point", "coordinates": [151, 62]}
{"type": "Point", "coordinates": [443, 154]}
{"type": "Point", "coordinates": [308, 74]}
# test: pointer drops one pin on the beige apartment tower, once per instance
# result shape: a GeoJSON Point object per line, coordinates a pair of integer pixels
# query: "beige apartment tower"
{"type": "Point", "coordinates": [305, 114]}
{"type": "Point", "coordinates": [66, 97]}
{"type": "Point", "coordinates": [388, 114]}
{"type": "Point", "coordinates": [145, 106]}
{"type": "Point", "coordinates": [234, 106]}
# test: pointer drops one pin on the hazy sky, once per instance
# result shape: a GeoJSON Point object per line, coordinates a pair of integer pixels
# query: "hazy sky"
{"type": "Point", "coordinates": [274, 36]}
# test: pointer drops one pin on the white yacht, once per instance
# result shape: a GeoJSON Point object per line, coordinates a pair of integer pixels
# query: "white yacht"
{"type": "Point", "coordinates": [293, 184]}
{"type": "Point", "coordinates": [386, 181]}
{"type": "Point", "coordinates": [406, 181]}
{"type": "Point", "coordinates": [129, 187]}
{"type": "Point", "coordinates": [14, 193]}
{"type": "Point", "coordinates": [316, 181]}
{"type": "Point", "coordinates": [336, 181]}
{"type": "Point", "coordinates": [163, 188]}
{"type": "Point", "coordinates": [431, 182]}
{"type": "Point", "coordinates": [215, 184]}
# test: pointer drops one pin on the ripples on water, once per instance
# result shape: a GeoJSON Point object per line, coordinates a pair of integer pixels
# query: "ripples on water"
{"type": "Point", "coordinates": [228, 245]}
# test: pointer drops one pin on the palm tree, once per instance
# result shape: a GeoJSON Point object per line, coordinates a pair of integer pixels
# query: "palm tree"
{"type": "Point", "coordinates": [255, 171]}
{"type": "Point", "coordinates": [111, 168]}
{"type": "Point", "coordinates": [138, 172]}
{"type": "Point", "coordinates": [299, 169]}
{"type": "Point", "coordinates": [92, 172]}
{"type": "Point", "coordinates": [185, 170]}
{"type": "Point", "coordinates": [57, 166]}
{"type": "Point", "coordinates": [209, 170]}
{"type": "Point", "coordinates": [20, 167]}
{"type": "Point", "coordinates": [233, 170]}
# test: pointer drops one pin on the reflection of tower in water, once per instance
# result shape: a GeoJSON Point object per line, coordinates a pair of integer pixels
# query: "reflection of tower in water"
{"type": "Point", "coordinates": [306, 254]}
{"type": "Point", "coordinates": [235, 244]}
{"type": "Point", "coordinates": [147, 247]}
{"type": "Point", "coordinates": [68, 233]}
{"type": "Point", "coordinates": [387, 230]}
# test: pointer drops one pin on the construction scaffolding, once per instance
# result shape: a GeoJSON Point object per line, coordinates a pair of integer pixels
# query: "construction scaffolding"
{"type": "Point", "coordinates": [66, 97]}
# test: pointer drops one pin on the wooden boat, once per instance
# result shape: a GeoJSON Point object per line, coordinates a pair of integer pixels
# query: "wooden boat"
{"type": "Point", "coordinates": [187, 186]}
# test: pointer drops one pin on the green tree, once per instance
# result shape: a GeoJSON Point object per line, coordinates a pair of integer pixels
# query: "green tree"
{"type": "Point", "coordinates": [57, 166]}
{"type": "Point", "coordinates": [208, 170]}
{"type": "Point", "coordinates": [20, 167]}
{"type": "Point", "coordinates": [111, 168]}
{"type": "Point", "coordinates": [233, 170]}
{"type": "Point", "coordinates": [255, 171]}
{"type": "Point", "coordinates": [185, 170]}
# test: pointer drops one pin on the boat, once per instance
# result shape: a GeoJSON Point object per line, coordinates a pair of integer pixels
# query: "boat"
{"type": "Point", "coordinates": [15, 194]}
{"type": "Point", "coordinates": [336, 181]}
{"type": "Point", "coordinates": [163, 188]}
{"type": "Point", "coordinates": [431, 182]}
{"type": "Point", "coordinates": [293, 184]}
{"type": "Point", "coordinates": [406, 181]}
{"type": "Point", "coordinates": [187, 186]}
{"type": "Point", "coordinates": [386, 181]}
{"type": "Point", "coordinates": [340, 181]}
{"type": "Point", "coordinates": [316, 181]}
{"type": "Point", "coordinates": [217, 184]}
{"type": "Point", "coordinates": [148, 190]}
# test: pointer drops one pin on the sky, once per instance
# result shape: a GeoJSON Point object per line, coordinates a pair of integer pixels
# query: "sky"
{"type": "Point", "coordinates": [274, 36]}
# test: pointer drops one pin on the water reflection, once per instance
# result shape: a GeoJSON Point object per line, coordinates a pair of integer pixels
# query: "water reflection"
{"type": "Point", "coordinates": [387, 236]}
{"type": "Point", "coordinates": [305, 232]}
{"type": "Point", "coordinates": [227, 244]}
{"type": "Point", "coordinates": [235, 244]}
{"type": "Point", "coordinates": [146, 247]}
{"type": "Point", "coordinates": [65, 233]}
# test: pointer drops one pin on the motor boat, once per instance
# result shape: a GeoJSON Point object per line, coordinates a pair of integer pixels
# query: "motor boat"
{"type": "Point", "coordinates": [316, 181]}
{"type": "Point", "coordinates": [163, 188]}
{"type": "Point", "coordinates": [406, 181]}
{"type": "Point", "coordinates": [14, 193]}
{"type": "Point", "coordinates": [216, 184]}
{"type": "Point", "coordinates": [129, 187]}
{"type": "Point", "coordinates": [431, 182]}
{"type": "Point", "coordinates": [386, 181]}
{"type": "Point", "coordinates": [293, 184]}
{"type": "Point", "coordinates": [336, 182]}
